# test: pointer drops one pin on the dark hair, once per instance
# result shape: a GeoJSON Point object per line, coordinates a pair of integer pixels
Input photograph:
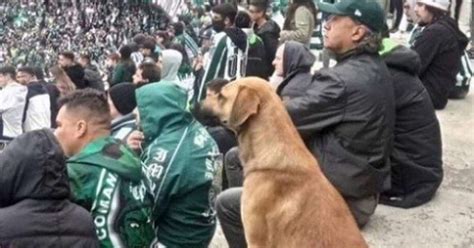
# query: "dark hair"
{"type": "Point", "coordinates": [92, 104]}
{"type": "Point", "coordinates": [261, 6]}
{"type": "Point", "coordinates": [125, 52]}
{"type": "Point", "coordinates": [139, 38]}
{"type": "Point", "coordinates": [437, 13]}
{"type": "Point", "coordinates": [149, 43]}
{"type": "Point", "coordinates": [8, 70]}
{"type": "Point", "coordinates": [178, 28]}
{"type": "Point", "coordinates": [292, 10]}
{"type": "Point", "coordinates": [67, 54]}
{"type": "Point", "coordinates": [151, 72]}
{"type": "Point", "coordinates": [39, 73]}
{"type": "Point", "coordinates": [226, 10]}
{"type": "Point", "coordinates": [242, 20]}
{"type": "Point", "coordinates": [217, 84]}
{"type": "Point", "coordinates": [27, 69]}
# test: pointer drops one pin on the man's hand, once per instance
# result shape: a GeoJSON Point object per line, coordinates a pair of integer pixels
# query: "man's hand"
{"type": "Point", "coordinates": [134, 140]}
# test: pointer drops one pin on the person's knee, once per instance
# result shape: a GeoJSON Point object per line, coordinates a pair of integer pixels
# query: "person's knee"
{"type": "Point", "coordinates": [232, 160]}
{"type": "Point", "coordinates": [228, 203]}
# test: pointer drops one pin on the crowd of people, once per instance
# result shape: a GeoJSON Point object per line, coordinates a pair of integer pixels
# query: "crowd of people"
{"type": "Point", "coordinates": [101, 129]}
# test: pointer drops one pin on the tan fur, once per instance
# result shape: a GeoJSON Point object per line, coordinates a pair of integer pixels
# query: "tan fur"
{"type": "Point", "coordinates": [287, 201]}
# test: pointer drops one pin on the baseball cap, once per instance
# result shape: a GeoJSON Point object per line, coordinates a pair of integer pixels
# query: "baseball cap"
{"type": "Point", "coordinates": [368, 12]}
{"type": "Point", "coordinates": [439, 4]}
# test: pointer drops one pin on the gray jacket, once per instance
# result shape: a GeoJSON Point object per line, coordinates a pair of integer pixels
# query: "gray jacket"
{"type": "Point", "coordinates": [346, 116]}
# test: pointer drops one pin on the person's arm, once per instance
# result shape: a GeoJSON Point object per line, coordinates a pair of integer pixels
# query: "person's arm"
{"type": "Point", "coordinates": [6, 101]}
{"type": "Point", "coordinates": [426, 45]}
{"type": "Point", "coordinates": [319, 107]}
{"type": "Point", "coordinates": [303, 31]}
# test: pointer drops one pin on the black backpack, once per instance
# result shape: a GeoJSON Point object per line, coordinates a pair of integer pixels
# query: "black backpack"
{"type": "Point", "coordinates": [256, 58]}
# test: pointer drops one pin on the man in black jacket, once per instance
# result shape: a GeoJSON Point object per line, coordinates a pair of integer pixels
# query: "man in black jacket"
{"type": "Point", "coordinates": [35, 210]}
{"type": "Point", "coordinates": [440, 46]}
{"type": "Point", "coordinates": [346, 115]}
{"type": "Point", "coordinates": [267, 29]}
{"type": "Point", "coordinates": [74, 70]}
{"type": "Point", "coordinates": [416, 158]}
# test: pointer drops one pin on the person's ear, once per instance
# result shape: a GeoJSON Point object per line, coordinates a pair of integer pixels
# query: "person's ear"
{"type": "Point", "coordinates": [358, 33]}
{"type": "Point", "coordinates": [245, 105]}
{"type": "Point", "coordinates": [81, 128]}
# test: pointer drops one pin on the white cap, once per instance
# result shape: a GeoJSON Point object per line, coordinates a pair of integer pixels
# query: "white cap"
{"type": "Point", "coordinates": [439, 4]}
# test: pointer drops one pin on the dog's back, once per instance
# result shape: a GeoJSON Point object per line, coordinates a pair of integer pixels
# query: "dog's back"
{"type": "Point", "coordinates": [285, 184]}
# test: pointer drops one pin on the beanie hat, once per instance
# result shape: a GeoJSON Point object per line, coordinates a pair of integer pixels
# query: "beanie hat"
{"type": "Point", "coordinates": [439, 4]}
{"type": "Point", "coordinates": [123, 97]}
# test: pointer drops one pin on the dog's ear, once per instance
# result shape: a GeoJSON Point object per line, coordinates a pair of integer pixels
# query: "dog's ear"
{"type": "Point", "coordinates": [245, 105]}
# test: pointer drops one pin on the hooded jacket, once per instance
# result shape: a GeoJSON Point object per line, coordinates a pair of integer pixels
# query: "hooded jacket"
{"type": "Point", "coordinates": [105, 179]}
{"type": "Point", "coordinates": [440, 46]}
{"type": "Point", "coordinates": [34, 207]}
{"type": "Point", "coordinates": [77, 75]}
{"type": "Point", "coordinates": [297, 63]}
{"type": "Point", "coordinates": [346, 118]}
{"type": "Point", "coordinates": [416, 158]}
{"type": "Point", "coordinates": [180, 163]}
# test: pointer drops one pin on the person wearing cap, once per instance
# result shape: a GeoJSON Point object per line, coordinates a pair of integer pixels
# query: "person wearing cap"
{"type": "Point", "coordinates": [345, 114]}
{"type": "Point", "coordinates": [440, 46]}
{"type": "Point", "coordinates": [122, 102]}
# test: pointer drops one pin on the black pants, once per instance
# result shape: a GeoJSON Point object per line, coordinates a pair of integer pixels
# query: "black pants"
{"type": "Point", "coordinates": [397, 7]}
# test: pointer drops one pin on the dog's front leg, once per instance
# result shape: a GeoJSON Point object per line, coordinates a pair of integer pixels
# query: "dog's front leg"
{"type": "Point", "coordinates": [254, 207]}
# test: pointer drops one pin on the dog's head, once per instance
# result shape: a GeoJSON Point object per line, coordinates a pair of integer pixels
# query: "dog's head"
{"type": "Point", "coordinates": [236, 102]}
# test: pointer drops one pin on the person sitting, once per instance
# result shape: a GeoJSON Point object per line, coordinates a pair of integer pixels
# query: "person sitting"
{"type": "Point", "coordinates": [416, 159]}
{"type": "Point", "coordinates": [104, 174]}
{"type": "Point", "coordinates": [180, 163]}
{"type": "Point", "coordinates": [122, 102]}
{"type": "Point", "coordinates": [35, 210]}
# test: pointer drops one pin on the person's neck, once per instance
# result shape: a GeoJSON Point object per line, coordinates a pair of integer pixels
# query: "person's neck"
{"type": "Point", "coordinates": [260, 22]}
{"type": "Point", "coordinates": [98, 134]}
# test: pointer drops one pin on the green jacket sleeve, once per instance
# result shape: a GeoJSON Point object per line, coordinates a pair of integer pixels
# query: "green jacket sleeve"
{"type": "Point", "coordinates": [304, 23]}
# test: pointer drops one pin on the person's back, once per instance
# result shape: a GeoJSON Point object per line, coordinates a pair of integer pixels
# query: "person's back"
{"type": "Point", "coordinates": [103, 173]}
{"type": "Point", "coordinates": [180, 163]}
{"type": "Point", "coordinates": [105, 179]}
{"type": "Point", "coordinates": [12, 104]}
{"type": "Point", "coordinates": [416, 158]}
{"type": "Point", "coordinates": [440, 46]}
{"type": "Point", "coordinates": [38, 108]}
{"type": "Point", "coordinates": [35, 210]}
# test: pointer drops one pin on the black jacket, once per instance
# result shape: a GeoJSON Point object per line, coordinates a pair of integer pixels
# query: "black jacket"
{"type": "Point", "coordinates": [416, 159]}
{"type": "Point", "coordinates": [297, 63]}
{"type": "Point", "coordinates": [34, 207]}
{"type": "Point", "coordinates": [440, 46]}
{"type": "Point", "coordinates": [346, 117]}
{"type": "Point", "coordinates": [269, 33]}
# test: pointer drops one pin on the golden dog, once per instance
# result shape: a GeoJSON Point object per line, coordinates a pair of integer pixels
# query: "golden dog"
{"type": "Point", "coordinates": [286, 201]}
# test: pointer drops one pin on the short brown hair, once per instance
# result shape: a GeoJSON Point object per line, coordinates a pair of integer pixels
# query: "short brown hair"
{"type": "Point", "coordinates": [91, 103]}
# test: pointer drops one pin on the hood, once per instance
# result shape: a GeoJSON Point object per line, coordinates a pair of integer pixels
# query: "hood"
{"type": "Point", "coordinates": [163, 108]}
{"type": "Point", "coordinates": [238, 37]}
{"type": "Point", "coordinates": [170, 66]}
{"type": "Point", "coordinates": [112, 155]}
{"type": "Point", "coordinates": [296, 57]}
{"type": "Point", "coordinates": [270, 27]}
{"type": "Point", "coordinates": [400, 57]}
{"type": "Point", "coordinates": [40, 174]}
{"type": "Point", "coordinates": [451, 24]}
